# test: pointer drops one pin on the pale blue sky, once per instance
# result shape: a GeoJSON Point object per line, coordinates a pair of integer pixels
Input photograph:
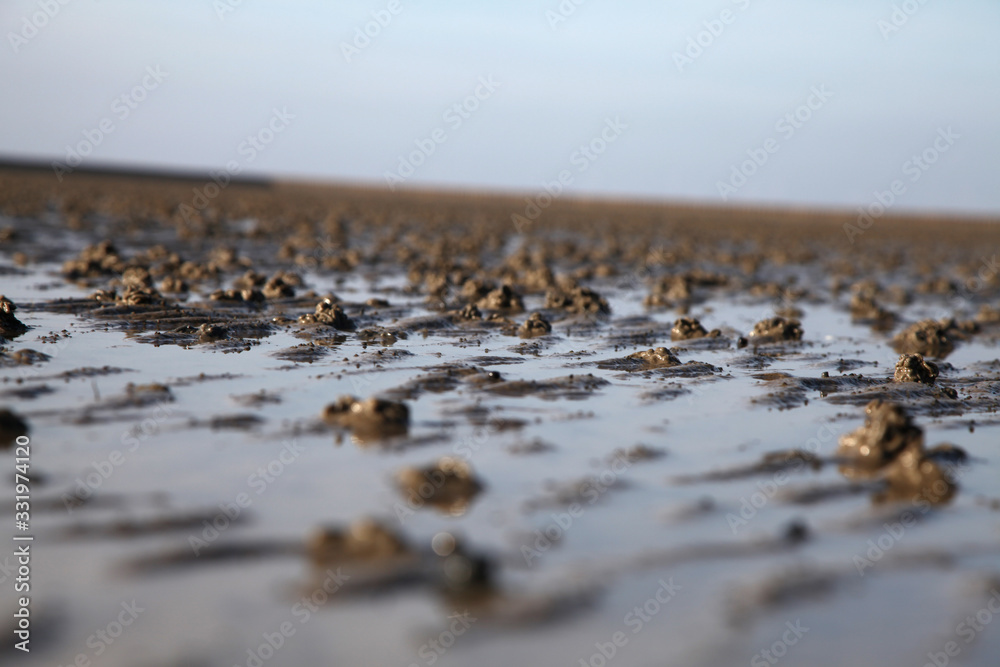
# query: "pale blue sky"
{"type": "Point", "coordinates": [686, 129]}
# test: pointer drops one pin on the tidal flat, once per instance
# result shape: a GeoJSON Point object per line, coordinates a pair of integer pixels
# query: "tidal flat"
{"type": "Point", "coordinates": [285, 424]}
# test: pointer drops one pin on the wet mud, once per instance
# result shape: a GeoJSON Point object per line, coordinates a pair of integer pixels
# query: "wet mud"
{"type": "Point", "coordinates": [454, 415]}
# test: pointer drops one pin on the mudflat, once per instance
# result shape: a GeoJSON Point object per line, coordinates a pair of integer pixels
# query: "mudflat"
{"type": "Point", "coordinates": [285, 423]}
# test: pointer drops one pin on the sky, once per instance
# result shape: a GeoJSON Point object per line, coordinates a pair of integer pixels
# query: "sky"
{"type": "Point", "coordinates": [827, 103]}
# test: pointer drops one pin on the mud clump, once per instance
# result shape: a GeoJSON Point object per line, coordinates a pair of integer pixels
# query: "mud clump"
{"type": "Point", "coordinates": [137, 276]}
{"type": "Point", "coordinates": [174, 285]}
{"type": "Point", "coordinates": [960, 329]}
{"type": "Point", "coordinates": [247, 295]}
{"type": "Point", "coordinates": [282, 285]}
{"type": "Point", "coordinates": [374, 417]}
{"type": "Point", "coordinates": [502, 298]}
{"type": "Point", "coordinates": [535, 326]}
{"type": "Point", "coordinates": [329, 313]}
{"type": "Point", "coordinates": [10, 326]}
{"type": "Point", "coordinates": [138, 295]}
{"type": "Point", "coordinates": [864, 308]}
{"type": "Point", "coordinates": [577, 300]}
{"type": "Point", "coordinates": [913, 368]}
{"type": "Point", "coordinates": [108, 295]}
{"type": "Point", "coordinates": [94, 261]}
{"type": "Point", "coordinates": [473, 289]}
{"type": "Point", "coordinates": [208, 333]}
{"type": "Point", "coordinates": [890, 445]}
{"type": "Point", "coordinates": [660, 357]}
{"type": "Point", "coordinates": [988, 315]}
{"type": "Point", "coordinates": [449, 485]}
{"type": "Point", "coordinates": [364, 540]}
{"type": "Point", "coordinates": [688, 328]}
{"type": "Point", "coordinates": [887, 431]}
{"type": "Point", "coordinates": [928, 338]}
{"type": "Point", "coordinates": [250, 280]}
{"type": "Point", "coordinates": [28, 357]}
{"type": "Point", "coordinates": [468, 313]}
{"type": "Point", "coordinates": [916, 477]}
{"type": "Point", "coordinates": [776, 329]}
{"type": "Point", "coordinates": [668, 292]}
{"type": "Point", "coordinates": [12, 427]}
{"type": "Point", "coordinates": [139, 395]}
{"type": "Point", "coordinates": [462, 573]}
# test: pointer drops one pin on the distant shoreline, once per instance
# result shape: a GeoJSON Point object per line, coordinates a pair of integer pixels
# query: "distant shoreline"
{"type": "Point", "coordinates": [509, 204]}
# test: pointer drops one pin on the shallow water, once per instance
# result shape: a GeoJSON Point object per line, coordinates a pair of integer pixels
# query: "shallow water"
{"type": "Point", "coordinates": [642, 524]}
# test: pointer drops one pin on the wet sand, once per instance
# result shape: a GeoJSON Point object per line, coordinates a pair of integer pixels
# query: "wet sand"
{"type": "Point", "coordinates": [299, 424]}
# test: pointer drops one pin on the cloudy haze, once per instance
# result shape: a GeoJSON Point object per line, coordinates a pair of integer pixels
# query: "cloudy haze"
{"type": "Point", "coordinates": [823, 103]}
